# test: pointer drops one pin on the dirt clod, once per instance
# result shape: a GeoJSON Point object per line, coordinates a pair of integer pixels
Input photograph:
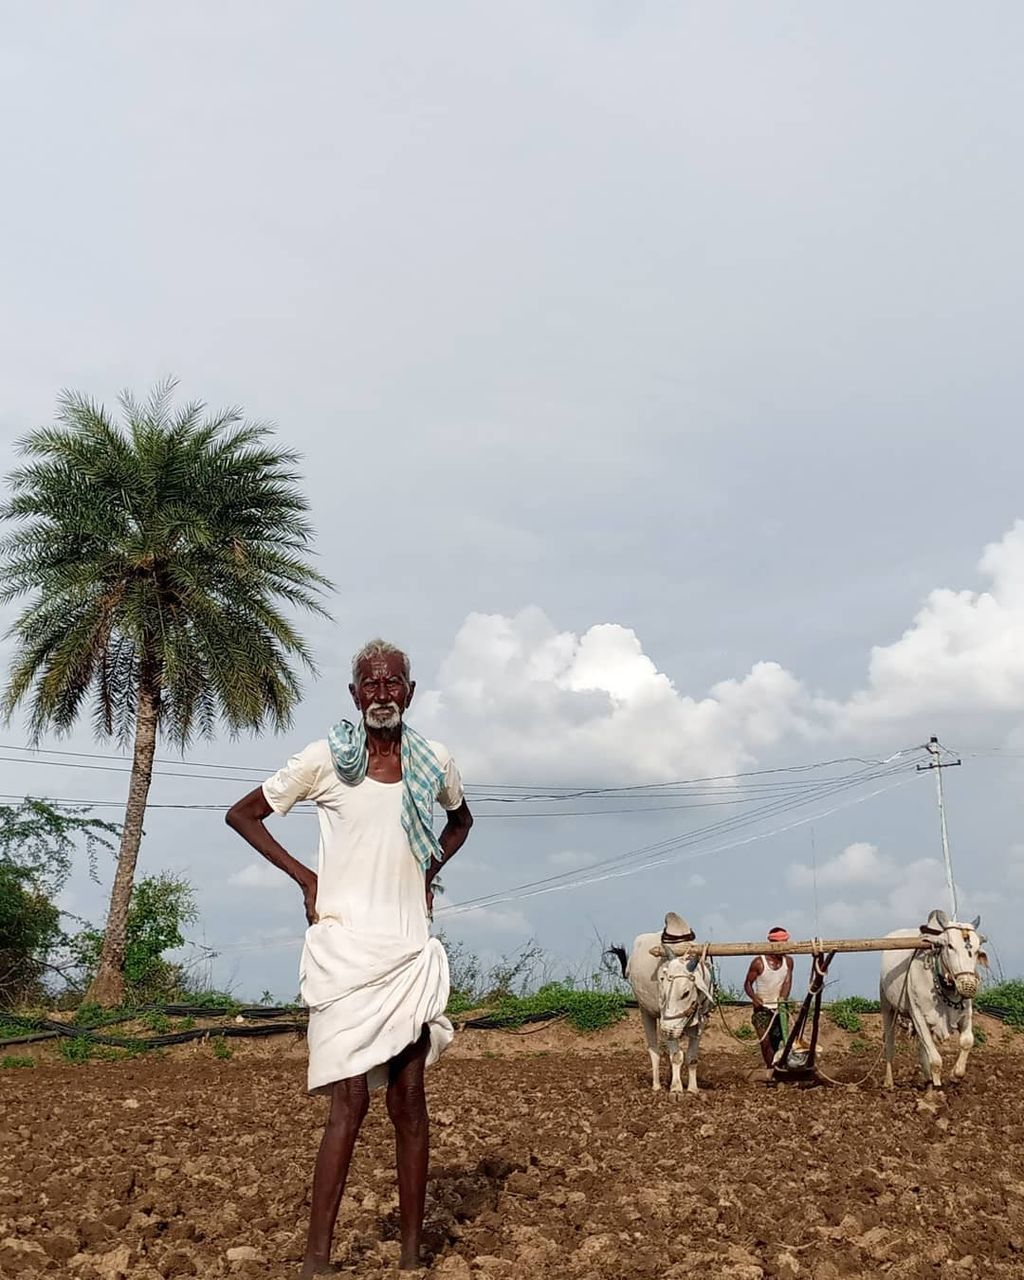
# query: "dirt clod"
{"type": "Point", "coordinates": [560, 1163]}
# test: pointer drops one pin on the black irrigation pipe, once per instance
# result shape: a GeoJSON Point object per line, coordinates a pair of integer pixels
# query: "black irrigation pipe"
{"type": "Point", "coordinates": [39, 1029]}
{"type": "Point", "coordinates": [46, 1029]}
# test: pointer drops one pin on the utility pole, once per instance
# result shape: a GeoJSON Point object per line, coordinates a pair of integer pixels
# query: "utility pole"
{"type": "Point", "coordinates": [936, 765]}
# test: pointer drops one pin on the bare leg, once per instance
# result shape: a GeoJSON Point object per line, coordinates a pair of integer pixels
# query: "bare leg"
{"type": "Point", "coordinates": [407, 1107]}
{"type": "Point", "coordinates": [349, 1102]}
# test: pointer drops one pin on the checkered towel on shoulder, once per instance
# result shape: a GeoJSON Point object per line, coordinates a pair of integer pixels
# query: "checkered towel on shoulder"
{"type": "Point", "coordinates": [422, 777]}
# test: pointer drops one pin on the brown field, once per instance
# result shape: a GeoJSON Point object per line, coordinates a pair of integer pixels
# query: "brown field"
{"type": "Point", "coordinates": [551, 1158]}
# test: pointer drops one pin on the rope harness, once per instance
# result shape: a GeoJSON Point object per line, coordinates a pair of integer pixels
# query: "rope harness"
{"type": "Point", "coordinates": [703, 991]}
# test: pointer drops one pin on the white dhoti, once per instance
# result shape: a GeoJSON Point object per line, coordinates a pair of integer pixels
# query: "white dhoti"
{"type": "Point", "coordinates": [370, 995]}
{"type": "Point", "coordinates": [371, 975]}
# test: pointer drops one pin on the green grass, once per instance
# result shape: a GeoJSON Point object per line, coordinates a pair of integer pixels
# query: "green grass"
{"type": "Point", "coordinates": [75, 1050]}
{"type": "Point", "coordinates": [979, 1036]}
{"type": "Point", "coordinates": [844, 1013]}
{"type": "Point", "coordinates": [586, 1010]}
{"type": "Point", "coordinates": [1008, 996]}
{"type": "Point", "coordinates": [744, 1031]}
{"type": "Point", "coordinates": [460, 1002]}
{"type": "Point", "coordinates": [155, 1021]}
{"type": "Point", "coordinates": [12, 1060]}
{"type": "Point", "coordinates": [221, 1049]}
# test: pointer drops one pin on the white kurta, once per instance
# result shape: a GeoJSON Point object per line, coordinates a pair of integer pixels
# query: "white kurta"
{"type": "Point", "coordinates": [370, 972]}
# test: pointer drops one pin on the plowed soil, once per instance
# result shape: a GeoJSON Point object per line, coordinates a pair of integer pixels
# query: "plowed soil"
{"type": "Point", "coordinates": [551, 1158]}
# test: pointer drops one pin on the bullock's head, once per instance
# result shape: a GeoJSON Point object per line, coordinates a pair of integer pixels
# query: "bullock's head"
{"type": "Point", "coordinates": [959, 951]}
{"type": "Point", "coordinates": [684, 992]}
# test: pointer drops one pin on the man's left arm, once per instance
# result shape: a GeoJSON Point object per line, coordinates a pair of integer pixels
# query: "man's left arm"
{"type": "Point", "coordinates": [788, 984]}
{"type": "Point", "coordinates": [458, 821]}
{"type": "Point", "coordinates": [452, 838]}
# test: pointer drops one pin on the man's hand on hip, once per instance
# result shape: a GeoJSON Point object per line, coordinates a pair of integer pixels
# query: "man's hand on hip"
{"type": "Point", "coordinates": [309, 888]}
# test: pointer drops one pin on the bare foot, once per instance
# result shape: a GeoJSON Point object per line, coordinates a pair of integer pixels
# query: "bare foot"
{"type": "Point", "coordinates": [317, 1267]}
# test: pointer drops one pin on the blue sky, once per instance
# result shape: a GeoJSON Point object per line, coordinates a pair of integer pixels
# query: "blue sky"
{"type": "Point", "coordinates": [656, 374]}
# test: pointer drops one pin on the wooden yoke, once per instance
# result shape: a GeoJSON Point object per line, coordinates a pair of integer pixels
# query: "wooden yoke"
{"type": "Point", "coordinates": [814, 946]}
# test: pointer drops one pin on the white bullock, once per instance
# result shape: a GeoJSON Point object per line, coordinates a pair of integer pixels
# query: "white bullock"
{"type": "Point", "coordinates": [676, 998]}
{"type": "Point", "coordinates": [934, 991]}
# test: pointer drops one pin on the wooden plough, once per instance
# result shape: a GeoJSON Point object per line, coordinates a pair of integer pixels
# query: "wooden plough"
{"type": "Point", "coordinates": [794, 1064]}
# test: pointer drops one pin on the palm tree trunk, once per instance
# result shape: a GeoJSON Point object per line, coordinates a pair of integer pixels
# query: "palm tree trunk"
{"type": "Point", "coordinates": [107, 987]}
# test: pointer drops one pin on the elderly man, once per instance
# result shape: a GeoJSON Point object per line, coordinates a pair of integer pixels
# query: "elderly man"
{"type": "Point", "coordinates": [375, 982]}
{"type": "Point", "coordinates": [768, 984]}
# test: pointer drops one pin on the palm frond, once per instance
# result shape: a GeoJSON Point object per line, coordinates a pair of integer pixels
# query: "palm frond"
{"type": "Point", "coordinates": [178, 542]}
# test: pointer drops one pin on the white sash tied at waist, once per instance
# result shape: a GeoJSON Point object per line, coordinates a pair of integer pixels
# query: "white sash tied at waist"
{"type": "Point", "coordinates": [369, 995]}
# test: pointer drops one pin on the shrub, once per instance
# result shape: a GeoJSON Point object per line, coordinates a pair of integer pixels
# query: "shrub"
{"type": "Point", "coordinates": [161, 906]}
{"type": "Point", "coordinates": [37, 847]}
{"type": "Point", "coordinates": [586, 1010]}
{"type": "Point", "coordinates": [844, 1013]}
{"type": "Point", "coordinates": [744, 1031]}
{"type": "Point", "coordinates": [1007, 998]}
{"type": "Point", "coordinates": [221, 1049]}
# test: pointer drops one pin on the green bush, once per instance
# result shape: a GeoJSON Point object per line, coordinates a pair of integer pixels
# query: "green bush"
{"type": "Point", "coordinates": [586, 1010]}
{"type": "Point", "coordinates": [460, 1002]}
{"type": "Point", "coordinates": [1008, 997]}
{"type": "Point", "coordinates": [160, 907]}
{"type": "Point", "coordinates": [29, 929]}
{"type": "Point", "coordinates": [221, 1049]}
{"type": "Point", "coordinates": [38, 842]}
{"type": "Point", "coordinates": [844, 1013]}
{"type": "Point", "coordinates": [12, 1060]}
{"type": "Point", "coordinates": [744, 1031]}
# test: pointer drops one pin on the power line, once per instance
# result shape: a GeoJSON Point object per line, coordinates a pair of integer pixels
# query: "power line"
{"type": "Point", "coordinates": [29, 755]}
{"type": "Point", "coordinates": [463, 908]}
{"type": "Point", "coordinates": [739, 821]}
{"type": "Point", "coordinates": [613, 874]}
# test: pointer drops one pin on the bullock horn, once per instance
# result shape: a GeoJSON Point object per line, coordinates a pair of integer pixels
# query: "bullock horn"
{"type": "Point", "coordinates": [975, 922]}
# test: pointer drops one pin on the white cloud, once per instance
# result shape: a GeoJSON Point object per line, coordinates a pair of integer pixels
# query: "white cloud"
{"type": "Point", "coordinates": [858, 863]}
{"type": "Point", "coordinates": [876, 893]}
{"type": "Point", "coordinates": [527, 702]}
{"type": "Point", "coordinates": [963, 652]}
{"type": "Point", "coordinates": [258, 875]}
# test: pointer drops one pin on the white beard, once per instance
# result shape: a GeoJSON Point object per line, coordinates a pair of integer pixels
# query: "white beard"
{"type": "Point", "coordinates": [388, 716]}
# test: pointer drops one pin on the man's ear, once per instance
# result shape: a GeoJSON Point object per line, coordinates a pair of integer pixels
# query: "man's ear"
{"type": "Point", "coordinates": [412, 690]}
{"type": "Point", "coordinates": [355, 695]}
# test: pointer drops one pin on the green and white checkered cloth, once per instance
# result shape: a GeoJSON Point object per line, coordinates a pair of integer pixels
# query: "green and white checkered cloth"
{"type": "Point", "coordinates": [422, 777]}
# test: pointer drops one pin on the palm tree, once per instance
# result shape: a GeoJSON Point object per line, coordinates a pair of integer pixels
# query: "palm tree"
{"type": "Point", "coordinates": [160, 559]}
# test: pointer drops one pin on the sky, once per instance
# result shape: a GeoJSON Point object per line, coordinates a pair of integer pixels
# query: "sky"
{"type": "Point", "coordinates": [656, 373]}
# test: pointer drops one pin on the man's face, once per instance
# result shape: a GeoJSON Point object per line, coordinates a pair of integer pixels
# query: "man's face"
{"type": "Point", "coordinates": [382, 692]}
